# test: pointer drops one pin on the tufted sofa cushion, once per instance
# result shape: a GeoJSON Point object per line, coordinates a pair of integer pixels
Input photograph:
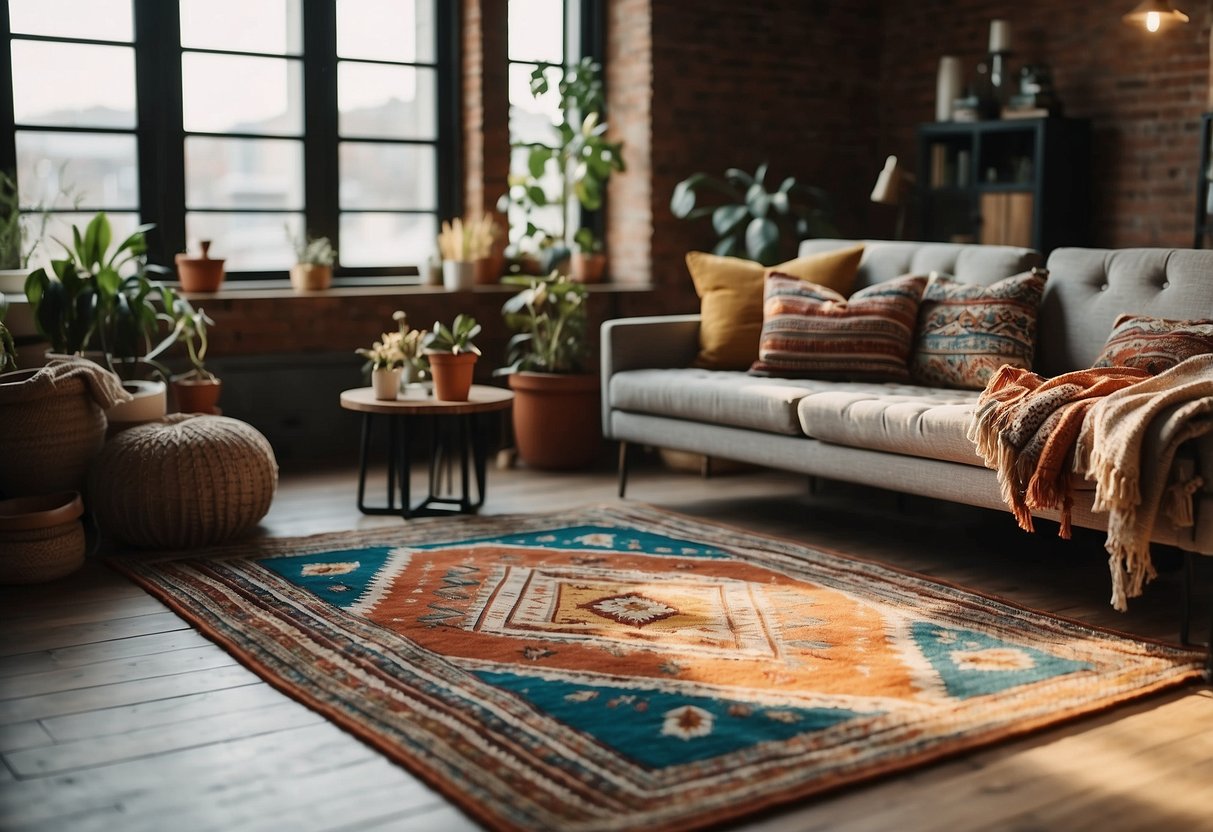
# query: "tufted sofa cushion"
{"type": "Point", "coordinates": [1089, 289]}
{"type": "Point", "coordinates": [883, 260]}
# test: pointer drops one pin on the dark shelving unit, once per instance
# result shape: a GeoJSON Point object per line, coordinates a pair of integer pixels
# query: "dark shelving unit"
{"type": "Point", "coordinates": [1020, 182]}
{"type": "Point", "coordinates": [1204, 176]}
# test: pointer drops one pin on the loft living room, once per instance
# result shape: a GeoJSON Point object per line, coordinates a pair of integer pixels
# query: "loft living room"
{"type": "Point", "coordinates": [769, 586]}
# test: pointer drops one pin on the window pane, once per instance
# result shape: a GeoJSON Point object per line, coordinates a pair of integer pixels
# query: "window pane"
{"type": "Point", "coordinates": [249, 242]}
{"type": "Point", "coordinates": [71, 84]}
{"type": "Point", "coordinates": [59, 227]}
{"type": "Point", "coordinates": [386, 30]}
{"type": "Point", "coordinates": [65, 170]}
{"type": "Point", "coordinates": [90, 19]}
{"type": "Point", "coordinates": [388, 176]}
{"type": "Point", "coordinates": [272, 26]}
{"type": "Point", "coordinates": [536, 31]}
{"type": "Point", "coordinates": [243, 173]}
{"type": "Point", "coordinates": [531, 119]}
{"type": "Point", "coordinates": [236, 94]}
{"type": "Point", "coordinates": [387, 239]}
{"type": "Point", "coordinates": [390, 102]}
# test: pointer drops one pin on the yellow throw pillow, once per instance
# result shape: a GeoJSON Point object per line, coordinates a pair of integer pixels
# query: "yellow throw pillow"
{"type": "Point", "coordinates": [730, 299]}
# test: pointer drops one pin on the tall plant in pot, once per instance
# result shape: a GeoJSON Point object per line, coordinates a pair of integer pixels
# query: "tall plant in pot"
{"type": "Point", "coordinates": [556, 415]}
{"type": "Point", "coordinates": [197, 389]}
{"type": "Point", "coordinates": [393, 356]}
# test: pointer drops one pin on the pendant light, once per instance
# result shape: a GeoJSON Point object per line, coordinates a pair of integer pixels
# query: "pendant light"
{"type": "Point", "coordinates": [1154, 15]}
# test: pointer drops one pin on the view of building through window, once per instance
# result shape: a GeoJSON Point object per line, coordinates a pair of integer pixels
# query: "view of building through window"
{"type": "Point", "coordinates": [245, 150]}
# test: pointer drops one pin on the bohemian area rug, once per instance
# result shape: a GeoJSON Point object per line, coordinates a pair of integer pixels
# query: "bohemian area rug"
{"type": "Point", "coordinates": [627, 668]}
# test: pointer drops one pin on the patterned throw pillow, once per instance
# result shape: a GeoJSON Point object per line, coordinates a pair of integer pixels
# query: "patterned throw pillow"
{"type": "Point", "coordinates": [1154, 344]}
{"type": "Point", "coordinates": [967, 331]}
{"type": "Point", "coordinates": [730, 291]}
{"type": "Point", "coordinates": [809, 331]}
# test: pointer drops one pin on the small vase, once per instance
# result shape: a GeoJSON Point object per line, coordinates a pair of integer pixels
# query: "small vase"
{"type": "Point", "coordinates": [458, 275]}
{"type": "Point", "coordinates": [588, 268]}
{"type": "Point", "coordinates": [200, 274]}
{"type": "Point", "coordinates": [386, 381]}
{"type": "Point", "coordinates": [197, 395]}
{"type": "Point", "coordinates": [452, 375]}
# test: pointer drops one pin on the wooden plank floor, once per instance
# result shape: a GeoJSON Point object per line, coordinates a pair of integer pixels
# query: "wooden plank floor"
{"type": "Point", "coordinates": [115, 715]}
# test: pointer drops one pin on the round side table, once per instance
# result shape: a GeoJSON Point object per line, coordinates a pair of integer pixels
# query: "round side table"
{"type": "Point", "coordinates": [454, 431]}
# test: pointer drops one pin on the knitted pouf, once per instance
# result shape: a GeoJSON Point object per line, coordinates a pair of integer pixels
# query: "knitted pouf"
{"type": "Point", "coordinates": [187, 481]}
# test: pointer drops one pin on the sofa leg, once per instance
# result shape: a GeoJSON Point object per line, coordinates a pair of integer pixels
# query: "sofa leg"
{"type": "Point", "coordinates": [1185, 613]}
{"type": "Point", "coordinates": [623, 468]}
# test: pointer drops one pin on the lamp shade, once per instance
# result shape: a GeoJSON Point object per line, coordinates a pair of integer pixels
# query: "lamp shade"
{"type": "Point", "coordinates": [888, 183]}
{"type": "Point", "coordinates": [1154, 15]}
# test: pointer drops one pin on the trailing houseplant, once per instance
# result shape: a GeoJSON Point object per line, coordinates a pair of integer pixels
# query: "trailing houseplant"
{"type": "Point", "coordinates": [452, 356]}
{"type": "Point", "coordinates": [579, 162]}
{"type": "Point", "coordinates": [84, 302]}
{"type": "Point", "coordinates": [556, 416]}
{"type": "Point", "coordinates": [751, 221]}
{"type": "Point", "coordinates": [314, 260]}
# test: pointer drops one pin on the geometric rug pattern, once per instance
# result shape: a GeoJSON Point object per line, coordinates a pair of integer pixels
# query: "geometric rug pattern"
{"type": "Point", "coordinates": [627, 668]}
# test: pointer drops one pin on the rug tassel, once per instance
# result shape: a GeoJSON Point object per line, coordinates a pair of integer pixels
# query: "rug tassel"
{"type": "Point", "coordinates": [1066, 529]}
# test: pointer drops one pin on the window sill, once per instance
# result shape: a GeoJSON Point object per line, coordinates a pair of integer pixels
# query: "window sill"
{"type": "Point", "coordinates": [277, 289]}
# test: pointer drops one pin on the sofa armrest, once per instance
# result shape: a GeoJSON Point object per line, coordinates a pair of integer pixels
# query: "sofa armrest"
{"type": "Point", "coordinates": [645, 343]}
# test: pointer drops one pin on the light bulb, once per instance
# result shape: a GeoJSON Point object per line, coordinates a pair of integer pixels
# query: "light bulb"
{"type": "Point", "coordinates": [1153, 21]}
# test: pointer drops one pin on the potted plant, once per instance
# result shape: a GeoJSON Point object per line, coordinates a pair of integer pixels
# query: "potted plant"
{"type": "Point", "coordinates": [464, 246]}
{"type": "Point", "coordinates": [197, 389]}
{"type": "Point", "coordinates": [21, 233]}
{"type": "Point", "coordinates": [8, 347]}
{"type": "Point", "coordinates": [589, 261]}
{"type": "Point", "coordinates": [84, 304]}
{"type": "Point", "coordinates": [580, 162]}
{"type": "Point", "coordinates": [752, 221]}
{"type": "Point", "coordinates": [556, 418]}
{"type": "Point", "coordinates": [314, 259]}
{"type": "Point", "coordinates": [392, 355]}
{"type": "Point", "coordinates": [452, 357]}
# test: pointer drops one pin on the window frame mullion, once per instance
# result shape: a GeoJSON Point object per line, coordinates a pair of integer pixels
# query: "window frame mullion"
{"type": "Point", "coordinates": [321, 180]}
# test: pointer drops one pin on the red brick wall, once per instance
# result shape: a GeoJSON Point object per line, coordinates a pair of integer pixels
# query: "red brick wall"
{"type": "Point", "coordinates": [1143, 93]}
{"type": "Point", "coordinates": [486, 153]}
{"type": "Point", "coordinates": [736, 84]}
{"type": "Point", "coordinates": [629, 80]}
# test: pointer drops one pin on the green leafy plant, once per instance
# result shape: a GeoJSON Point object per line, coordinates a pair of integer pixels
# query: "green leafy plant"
{"type": "Point", "coordinates": [189, 328]}
{"type": "Point", "coordinates": [12, 237]}
{"type": "Point", "coordinates": [315, 251]}
{"type": "Point", "coordinates": [85, 303]}
{"type": "Point", "coordinates": [455, 339]}
{"type": "Point", "coordinates": [549, 319]}
{"type": "Point", "coordinates": [8, 347]}
{"type": "Point", "coordinates": [586, 242]}
{"type": "Point", "coordinates": [396, 349]}
{"type": "Point", "coordinates": [752, 221]}
{"type": "Point", "coordinates": [581, 160]}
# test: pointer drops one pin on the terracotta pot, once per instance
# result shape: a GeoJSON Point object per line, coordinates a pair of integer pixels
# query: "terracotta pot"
{"type": "Point", "coordinates": [557, 424]}
{"type": "Point", "coordinates": [41, 538]}
{"type": "Point", "coordinates": [588, 268]}
{"type": "Point", "coordinates": [197, 395]}
{"type": "Point", "coordinates": [200, 274]}
{"type": "Point", "coordinates": [311, 277]}
{"type": "Point", "coordinates": [386, 381]}
{"type": "Point", "coordinates": [489, 269]}
{"type": "Point", "coordinates": [452, 375]}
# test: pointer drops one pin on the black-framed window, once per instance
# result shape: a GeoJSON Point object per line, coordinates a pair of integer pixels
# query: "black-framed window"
{"type": "Point", "coordinates": [241, 121]}
{"type": "Point", "coordinates": [551, 34]}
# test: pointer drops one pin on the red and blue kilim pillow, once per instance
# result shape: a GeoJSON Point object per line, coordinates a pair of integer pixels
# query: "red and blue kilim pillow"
{"type": "Point", "coordinates": [1154, 344]}
{"type": "Point", "coordinates": [809, 331]}
{"type": "Point", "coordinates": [967, 331]}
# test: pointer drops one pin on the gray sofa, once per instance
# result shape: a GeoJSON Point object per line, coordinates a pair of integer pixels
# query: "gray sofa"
{"type": "Point", "coordinates": [895, 436]}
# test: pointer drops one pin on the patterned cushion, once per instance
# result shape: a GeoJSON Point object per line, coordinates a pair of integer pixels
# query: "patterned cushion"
{"type": "Point", "coordinates": [730, 292]}
{"type": "Point", "coordinates": [966, 331]}
{"type": "Point", "coordinates": [1154, 344]}
{"type": "Point", "coordinates": [811, 331]}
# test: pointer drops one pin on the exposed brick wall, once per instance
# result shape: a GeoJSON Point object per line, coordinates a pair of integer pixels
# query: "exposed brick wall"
{"type": "Point", "coordinates": [735, 84]}
{"type": "Point", "coordinates": [629, 80]}
{"type": "Point", "coordinates": [1143, 93]}
{"type": "Point", "coordinates": [486, 154]}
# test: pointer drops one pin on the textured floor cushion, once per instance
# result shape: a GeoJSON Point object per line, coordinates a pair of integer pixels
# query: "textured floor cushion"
{"type": "Point", "coordinates": [923, 421]}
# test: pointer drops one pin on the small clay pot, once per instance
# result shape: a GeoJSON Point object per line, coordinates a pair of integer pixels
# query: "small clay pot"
{"type": "Point", "coordinates": [452, 375]}
{"type": "Point", "coordinates": [588, 268]}
{"type": "Point", "coordinates": [311, 277]}
{"type": "Point", "coordinates": [197, 395]}
{"type": "Point", "coordinates": [200, 274]}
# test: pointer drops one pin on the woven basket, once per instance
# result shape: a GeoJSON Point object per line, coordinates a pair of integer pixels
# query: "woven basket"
{"type": "Point", "coordinates": [41, 538]}
{"type": "Point", "coordinates": [47, 440]}
{"type": "Point", "coordinates": [189, 481]}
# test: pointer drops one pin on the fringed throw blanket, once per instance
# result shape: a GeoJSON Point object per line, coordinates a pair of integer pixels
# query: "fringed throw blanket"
{"type": "Point", "coordinates": [1127, 446]}
{"type": "Point", "coordinates": [1117, 426]}
{"type": "Point", "coordinates": [1025, 427]}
